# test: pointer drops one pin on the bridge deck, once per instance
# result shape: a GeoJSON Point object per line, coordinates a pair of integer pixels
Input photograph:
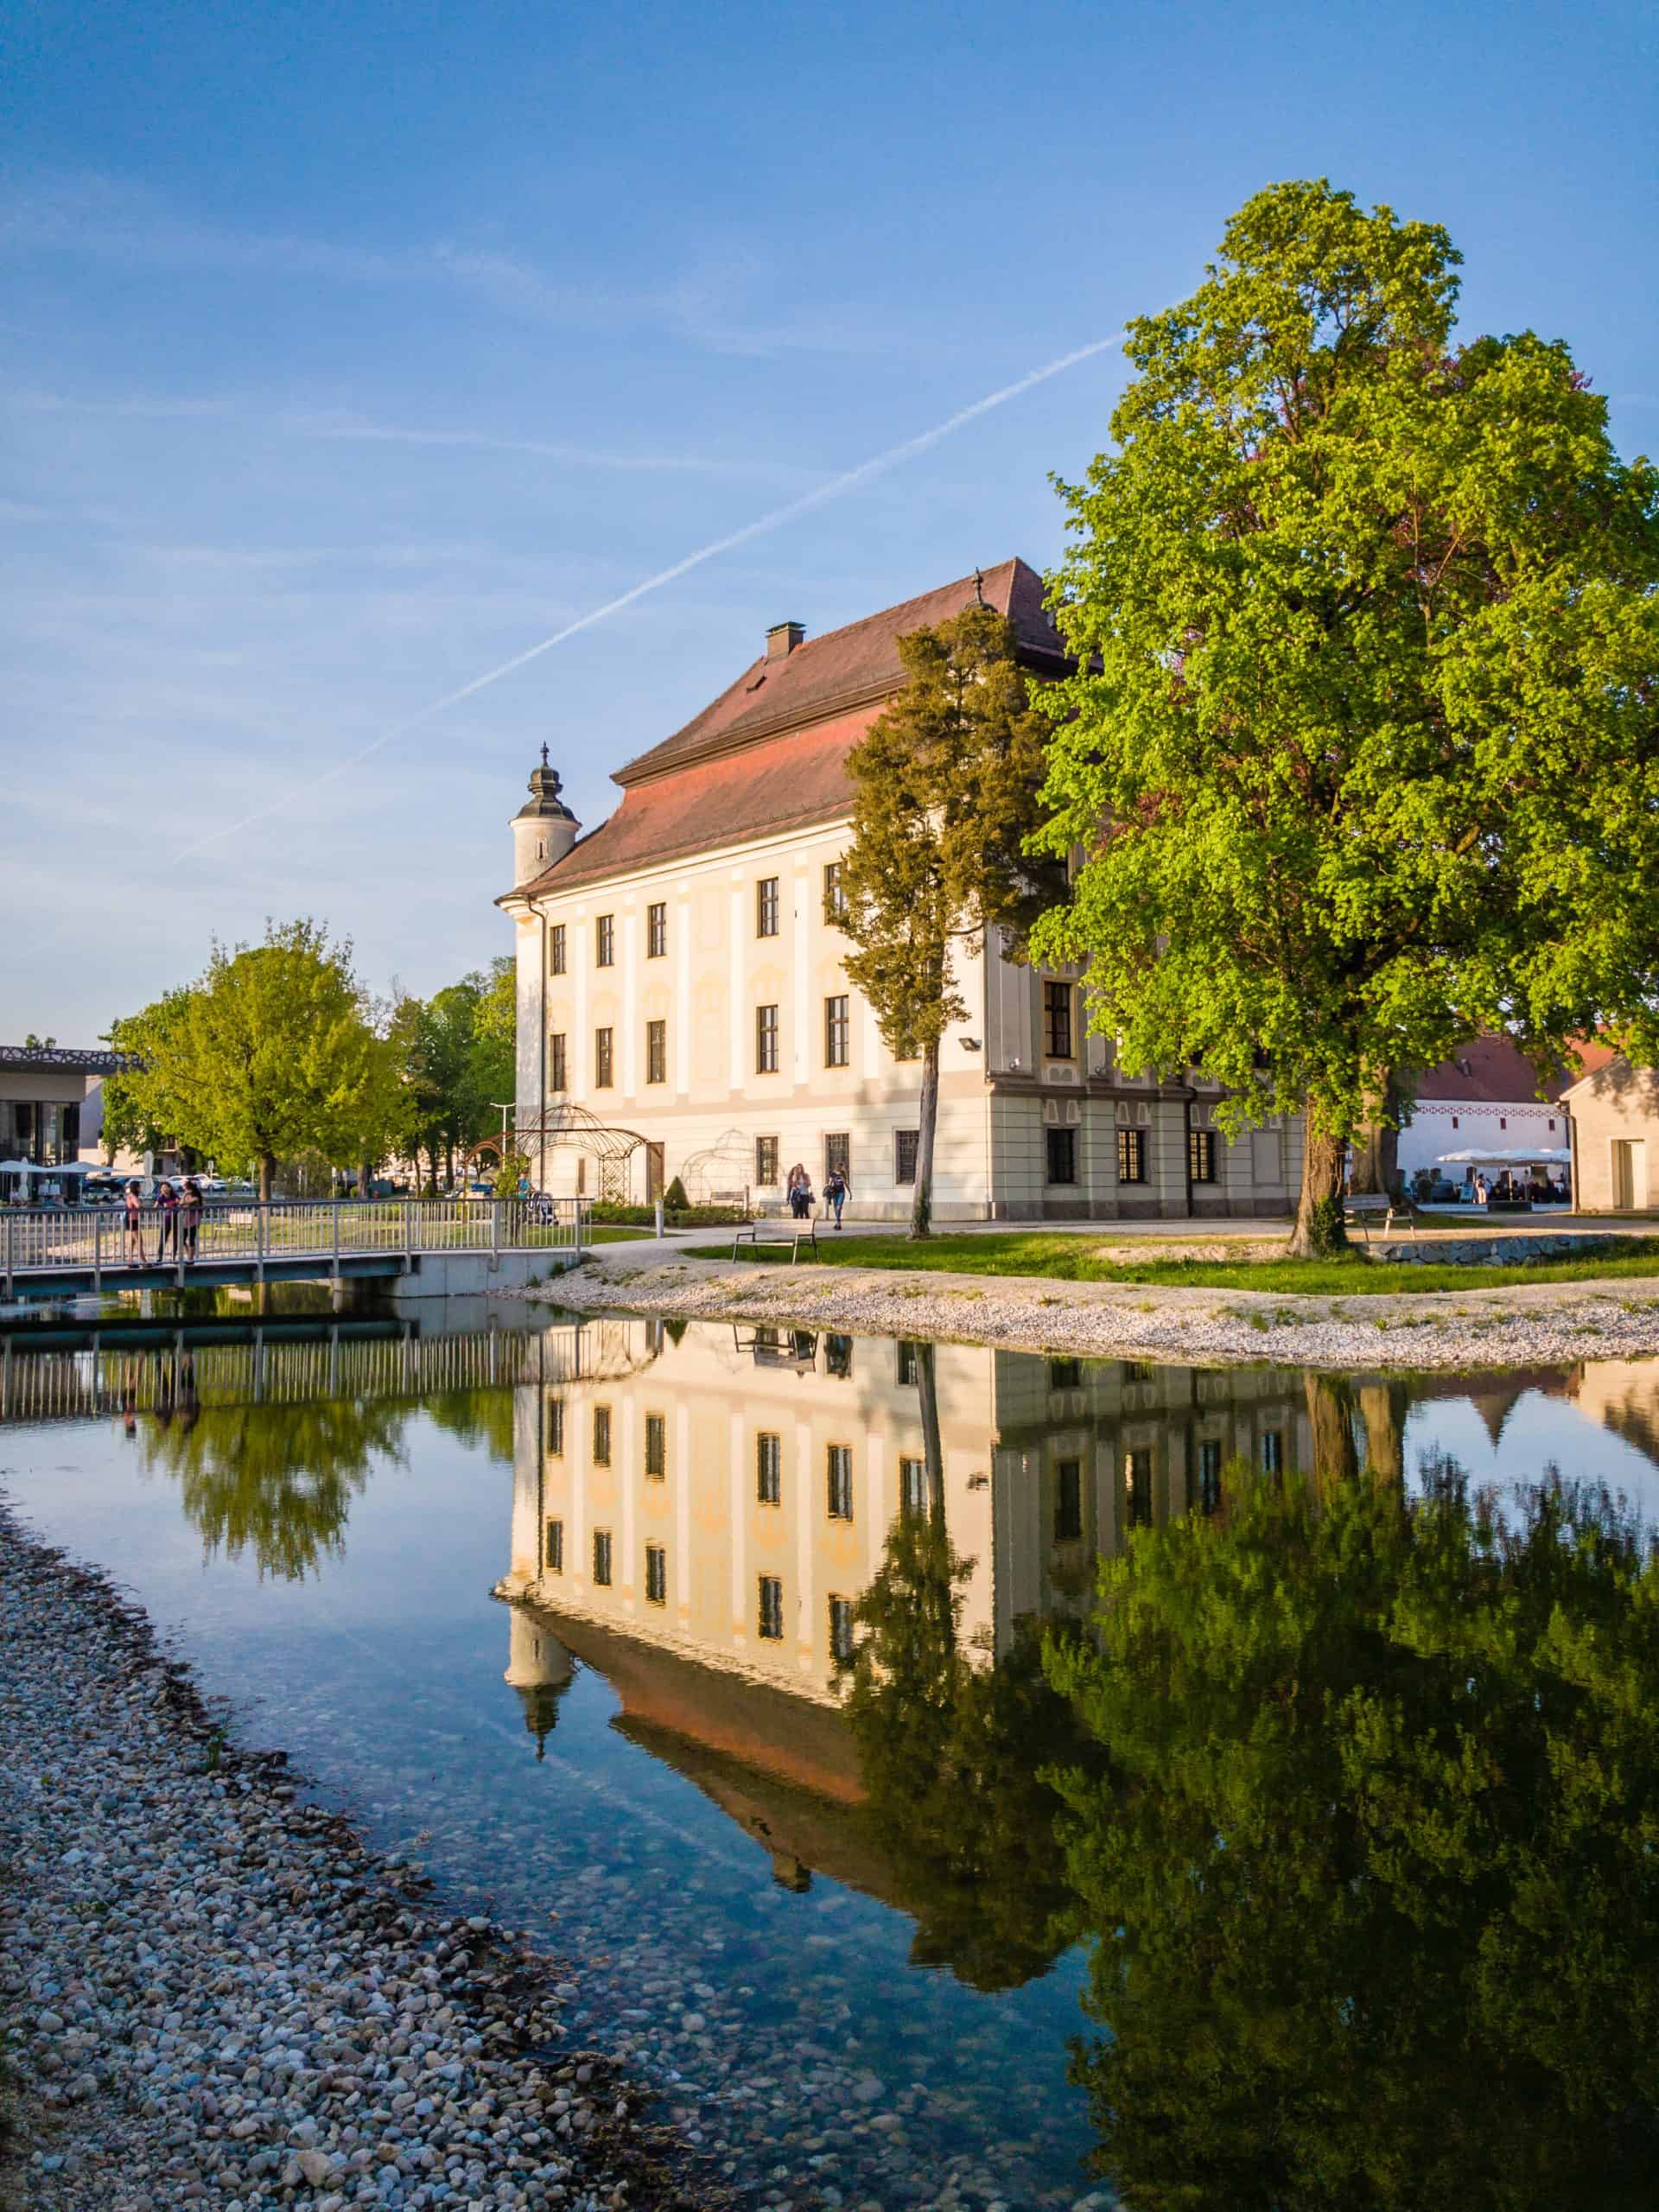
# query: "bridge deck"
{"type": "Point", "coordinates": [68, 1249]}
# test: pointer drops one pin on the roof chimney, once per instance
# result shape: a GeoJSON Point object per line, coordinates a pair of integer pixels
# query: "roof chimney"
{"type": "Point", "coordinates": [782, 639]}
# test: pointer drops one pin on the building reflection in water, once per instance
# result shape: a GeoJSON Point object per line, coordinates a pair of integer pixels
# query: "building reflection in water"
{"type": "Point", "coordinates": [704, 1521]}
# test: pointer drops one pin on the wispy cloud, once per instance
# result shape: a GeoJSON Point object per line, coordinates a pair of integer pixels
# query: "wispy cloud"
{"type": "Point", "coordinates": [342, 427]}
{"type": "Point", "coordinates": [713, 308]}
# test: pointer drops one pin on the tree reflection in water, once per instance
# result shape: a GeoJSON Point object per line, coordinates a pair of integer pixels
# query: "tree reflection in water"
{"type": "Point", "coordinates": [1372, 1888]}
{"type": "Point", "coordinates": [278, 1478]}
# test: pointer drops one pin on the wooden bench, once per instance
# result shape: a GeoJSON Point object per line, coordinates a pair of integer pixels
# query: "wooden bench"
{"type": "Point", "coordinates": [1364, 1209]}
{"type": "Point", "coordinates": [791, 1232]}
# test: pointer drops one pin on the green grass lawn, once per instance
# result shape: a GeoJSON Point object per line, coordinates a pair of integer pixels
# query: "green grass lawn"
{"type": "Point", "coordinates": [613, 1232]}
{"type": "Point", "coordinates": [1073, 1259]}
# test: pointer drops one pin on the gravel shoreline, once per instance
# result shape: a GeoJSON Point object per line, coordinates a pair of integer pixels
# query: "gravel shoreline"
{"type": "Point", "coordinates": [215, 1995]}
{"type": "Point", "coordinates": [1524, 1325]}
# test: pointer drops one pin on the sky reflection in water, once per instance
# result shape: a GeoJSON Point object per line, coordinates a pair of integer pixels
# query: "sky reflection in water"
{"type": "Point", "coordinates": [1333, 1848]}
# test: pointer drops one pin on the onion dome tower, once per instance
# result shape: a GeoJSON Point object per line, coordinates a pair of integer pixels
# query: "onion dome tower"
{"type": "Point", "coordinates": [543, 829]}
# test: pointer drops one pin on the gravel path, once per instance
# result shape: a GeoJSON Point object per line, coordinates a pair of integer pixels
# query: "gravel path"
{"type": "Point", "coordinates": [1526, 1324]}
{"type": "Point", "coordinates": [213, 1995]}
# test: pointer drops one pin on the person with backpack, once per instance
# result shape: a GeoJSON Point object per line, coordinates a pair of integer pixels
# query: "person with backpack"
{"type": "Point", "coordinates": [835, 1191]}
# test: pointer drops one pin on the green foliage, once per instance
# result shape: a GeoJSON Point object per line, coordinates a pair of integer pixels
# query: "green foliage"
{"type": "Point", "coordinates": [271, 1051]}
{"type": "Point", "coordinates": [944, 798]}
{"type": "Point", "coordinates": [674, 1198]}
{"type": "Point", "coordinates": [514, 1169]}
{"type": "Point", "coordinates": [456, 1051]}
{"type": "Point", "coordinates": [152, 1037]}
{"type": "Point", "coordinates": [1371, 1886]}
{"type": "Point", "coordinates": [1362, 756]}
{"type": "Point", "coordinates": [952, 1754]}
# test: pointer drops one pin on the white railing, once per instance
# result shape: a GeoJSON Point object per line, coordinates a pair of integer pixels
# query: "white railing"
{"type": "Point", "coordinates": [37, 1240]}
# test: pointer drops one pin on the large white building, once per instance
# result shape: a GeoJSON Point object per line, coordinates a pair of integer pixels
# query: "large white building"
{"type": "Point", "coordinates": [683, 1011]}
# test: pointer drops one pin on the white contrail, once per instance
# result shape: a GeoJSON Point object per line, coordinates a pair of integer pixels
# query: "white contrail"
{"type": "Point", "coordinates": [831, 490]}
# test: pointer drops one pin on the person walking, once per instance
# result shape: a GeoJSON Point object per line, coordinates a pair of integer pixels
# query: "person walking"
{"type": "Point", "coordinates": [135, 1227]}
{"type": "Point", "coordinates": [190, 1216]}
{"type": "Point", "coordinates": [167, 1199]}
{"type": "Point", "coordinates": [835, 1191]}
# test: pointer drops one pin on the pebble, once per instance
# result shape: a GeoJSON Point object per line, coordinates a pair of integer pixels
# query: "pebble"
{"type": "Point", "coordinates": [1520, 1325]}
{"type": "Point", "coordinates": [202, 1978]}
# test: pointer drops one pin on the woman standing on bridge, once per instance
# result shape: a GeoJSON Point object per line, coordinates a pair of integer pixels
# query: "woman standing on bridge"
{"type": "Point", "coordinates": [190, 1216]}
{"type": "Point", "coordinates": [135, 1232]}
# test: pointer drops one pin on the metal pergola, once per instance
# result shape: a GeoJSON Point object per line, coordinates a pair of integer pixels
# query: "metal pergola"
{"type": "Point", "coordinates": [574, 1128]}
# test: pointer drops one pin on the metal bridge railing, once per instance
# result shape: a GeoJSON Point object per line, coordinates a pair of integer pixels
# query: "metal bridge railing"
{"type": "Point", "coordinates": [42, 1240]}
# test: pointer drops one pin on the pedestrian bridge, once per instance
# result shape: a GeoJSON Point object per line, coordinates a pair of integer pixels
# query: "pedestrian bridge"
{"type": "Point", "coordinates": [463, 1243]}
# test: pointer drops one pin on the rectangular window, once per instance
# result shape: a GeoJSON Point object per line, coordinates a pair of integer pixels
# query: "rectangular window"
{"type": "Point", "coordinates": [835, 899]}
{"type": "Point", "coordinates": [838, 1356]}
{"type": "Point", "coordinates": [605, 941]}
{"type": "Point", "coordinates": [841, 1631]}
{"type": "Point", "coordinates": [905, 1142]}
{"type": "Point", "coordinates": [766, 1040]}
{"type": "Point", "coordinates": [769, 1468]}
{"type": "Point", "coordinates": [1210, 1473]}
{"type": "Point", "coordinates": [602, 1558]}
{"type": "Point", "coordinates": [838, 1157]}
{"type": "Point", "coordinates": [656, 1052]}
{"type": "Point", "coordinates": [1137, 1481]}
{"type": "Point", "coordinates": [656, 931]}
{"type": "Point", "coordinates": [771, 1608]}
{"type": "Point", "coordinates": [907, 1361]}
{"type": "Point", "coordinates": [1061, 1146]}
{"type": "Point", "coordinates": [1056, 1021]}
{"type": "Point", "coordinates": [1065, 1374]}
{"type": "Point", "coordinates": [553, 1547]}
{"type": "Point", "coordinates": [558, 1065]}
{"type": "Point", "coordinates": [765, 1161]}
{"type": "Point", "coordinates": [556, 949]}
{"type": "Point", "coordinates": [601, 1436]}
{"type": "Point", "coordinates": [656, 1575]}
{"type": "Point", "coordinates": [838, 1033]}
{"type": "Point", "coordinates": [1068, 1501]}
{"type": "Point", "coordinates": [1273, 1451]}
{"type": "Point", "coordinates": [602, 1060]}
{"type": "Point", "coordinates": [1131, 1155]}
{"type": "Point", "coordinates": [1201, 1155]}
{"type": "Point", "coordinates": [765, 906]}
{"type": "Point", "coordinates": [556, 1428]}
{"type": "Point", "coordinates": [656, 1446]}
{"type": "Point", "coordinates": [913, 1489]}
{"type": "Point", "coordinates": [838, 1468]}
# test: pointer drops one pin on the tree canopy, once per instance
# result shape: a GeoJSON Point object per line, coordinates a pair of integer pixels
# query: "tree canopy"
{"type": "Point", "coordinates": [944, 800]}
{"type": "Point", "coordinates": [457, 1052]}
{"type": "Point", "coordinates": [1371, 1880]}
{"type": "Point", "coordinates": [271, 1050]}
{"type": "Point", "coordinates": [1361, 754]}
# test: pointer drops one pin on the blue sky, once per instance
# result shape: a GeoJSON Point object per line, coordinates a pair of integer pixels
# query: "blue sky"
{"type": "Point", "coordinates": [345, 353]}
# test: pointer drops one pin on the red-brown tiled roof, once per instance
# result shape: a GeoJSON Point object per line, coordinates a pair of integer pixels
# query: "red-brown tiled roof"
{"type": "Point", "coordinates": [1489, 1071]}
{"type": "Point", "coordinates": [769, 753]}
{"type": "Point", "coordinates": [795, 779]}
{"type": "Point", "coordinates": [845, 667]}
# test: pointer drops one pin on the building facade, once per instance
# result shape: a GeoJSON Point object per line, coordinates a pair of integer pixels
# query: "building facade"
{"type": "Point", "coordinates": [1615, 1127]}
{"type": "Point", "coordinates": [1487, 1098]}
{"type": "Point", "coordinates": [681, 986]}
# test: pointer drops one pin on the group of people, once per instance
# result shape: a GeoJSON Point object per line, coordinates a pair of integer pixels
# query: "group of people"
{"type": "Point", "coordinates": [179, 1211]}
{"type": "Point", "coordinates": [798, 1190]}
{"type": "Point", "coordinates": [1538, 1189]}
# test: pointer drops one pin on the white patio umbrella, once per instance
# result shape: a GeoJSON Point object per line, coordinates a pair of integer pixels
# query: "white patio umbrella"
{"type": "Point", "coordinates": [1519, 1156]}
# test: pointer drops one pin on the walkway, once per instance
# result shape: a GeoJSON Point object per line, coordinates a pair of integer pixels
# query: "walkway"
{"type": "Point", "coordinates": [67, 1248]}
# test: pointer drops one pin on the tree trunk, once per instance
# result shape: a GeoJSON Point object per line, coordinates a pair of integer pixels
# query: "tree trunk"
{"type": "Point", "coordinates": [927, 1392]}
{"type": "Point", "coordinates": [1319, 1232]}
{"type": "Point", "coordinates": [1330, 1416]}
{"type": "Point", "coordinates": [365, 1179]}
{"type": "Point", "coordinates": [267, 1175]}
{"type": "Point", "coordinates": [921, 1212]}
{"type": "Point", "coordinates": [1384, 1406]}
{"type": "Point", "coordinates": [1377, 1147]}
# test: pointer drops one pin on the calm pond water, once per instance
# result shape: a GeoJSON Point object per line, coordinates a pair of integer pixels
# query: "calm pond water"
{"type": "Point", "coordinates": [714, 1658]}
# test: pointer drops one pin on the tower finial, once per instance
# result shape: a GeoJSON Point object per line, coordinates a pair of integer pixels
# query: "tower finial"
{"type": "Point", "coordinates": [544, 753]}
{"type": "Point", "coordinates": [979, 587]}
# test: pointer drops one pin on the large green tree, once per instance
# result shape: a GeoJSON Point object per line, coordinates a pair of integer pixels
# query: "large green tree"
{"type": "Point", "coordinates": [456, 1049]}
{"type": "Point", "coordinates": [1362, 755]}
{"type": "Point", "coordinates": [1371, 1881]}
{"type": "Point", "coordinates": [944, 787]}
{"type": "Point", "coordinates": [272, 1050]}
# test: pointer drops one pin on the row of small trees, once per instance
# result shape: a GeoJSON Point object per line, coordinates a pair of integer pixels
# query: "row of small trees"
{"type": "Point", "coordinates": [278, 1049]}
{"type": "Point", "coordinates": [1361, 755]}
